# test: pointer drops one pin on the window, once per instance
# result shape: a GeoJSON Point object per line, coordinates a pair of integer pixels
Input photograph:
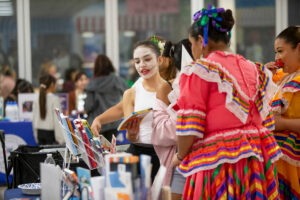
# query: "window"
{"type": "Point", "coordinates": [69, 33]}
{"type": "Point", "coordinates": [8, 35]}
{"type": "Point", "coordinates": [255, 28]}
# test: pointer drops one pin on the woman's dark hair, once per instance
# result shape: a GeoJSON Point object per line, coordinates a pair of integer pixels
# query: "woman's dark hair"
{"type": "Point", "coordinates": [291, 35]}
{"type": "Point", "coordinates": [45, 82]}
{"type": "Point", "coordinates": [25, 87]}
{"type": "Point", "coordinates": [103, 66]}
{"type": "Point", "coordinates": [22, 86]}
{"type": "Point", "coordinates": [6, 70]}
{"type": "Point", "coordinates": [79, 75]}
{"type": "Point", "coordinates": [214, 34]}
{"type": "Point", "coordinates": [168, 52]}
{"type": "Point", "coordinates": [69, 72]}
{"type": "Point", "coordinates": [148, 44]}
{"type": "Point", "coordinates": [178, 50]}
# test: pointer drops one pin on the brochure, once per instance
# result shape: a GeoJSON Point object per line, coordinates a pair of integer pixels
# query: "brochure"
{"type": "Point", "coordinates": [139, 115]}
{"type": "Point", "coordinates": [25, 101]}
{"type": "Point", "coordinates": [84, 178]}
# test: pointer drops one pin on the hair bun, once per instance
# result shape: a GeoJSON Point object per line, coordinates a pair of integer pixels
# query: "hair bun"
{"type": "Point", "coordinates": [168, 49]}
{"type": "Point", "coordinates": [228, 20]}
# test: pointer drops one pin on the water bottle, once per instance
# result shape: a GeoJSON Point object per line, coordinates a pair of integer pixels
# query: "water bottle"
{"type": "Point", "coordinates": [1, 108]}
{"type": "Point", "coordinates": [9, 110]}
{"type": "Point", "coordinates": [49, 159]}
{"type": "Point", "coordinates": [15, 117]}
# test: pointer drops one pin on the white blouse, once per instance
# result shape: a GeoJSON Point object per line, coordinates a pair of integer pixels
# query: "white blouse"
{"type": "Point", "coordinates": [50, 122]}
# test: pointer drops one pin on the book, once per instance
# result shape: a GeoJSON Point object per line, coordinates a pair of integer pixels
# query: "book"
{"type": "Point", "coordinates": [69, 135]}
{"type": "Point", "coordinates": [88, 154]}
{"type": "Point", "coordinates": [84, 178]}
{"type": "Point", "coordinates": [138, 115]}
{"type": "Point", "coordinates": [71, 127]}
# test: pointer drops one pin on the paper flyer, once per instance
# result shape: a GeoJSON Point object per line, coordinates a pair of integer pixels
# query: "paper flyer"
{"type": "Point", "coordinates": [25, 105]}
{"type": "Point", "coordinates": [140, 115]}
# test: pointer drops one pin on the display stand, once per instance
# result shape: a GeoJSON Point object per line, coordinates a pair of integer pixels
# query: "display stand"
{"type": "Point", "coordinates": [80, 142]}
{"type": "Point", "coordinates": [83, 149]}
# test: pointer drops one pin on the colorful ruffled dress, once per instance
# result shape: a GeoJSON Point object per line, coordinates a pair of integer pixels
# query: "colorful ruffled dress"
{"type": "Point", "coordinates": [287, 103]}
{"type": "Point", "coordinates": [223, 101]}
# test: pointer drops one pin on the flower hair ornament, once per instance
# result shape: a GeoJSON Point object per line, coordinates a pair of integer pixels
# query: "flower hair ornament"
{"type": "Point", "coordinates": [203, 16]}
{"type": "Point", "coordinates": [160, 44]}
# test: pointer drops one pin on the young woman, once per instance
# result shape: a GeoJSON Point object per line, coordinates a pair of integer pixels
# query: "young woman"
{"type": "Point", "coordinates": [164, 136]}
{"type": "Point", "coordinates": [286, 106]}
{"type": "Point", "coordinates": [223, 149]}
{"type": "Point", "coordinates": [78, 96]}
{"type": "Point", "coordinates": [166, 70]}
{"type": "Point", "coordinates": [142, 96]}
{"type": "Point", "coordinates": [45, 122]}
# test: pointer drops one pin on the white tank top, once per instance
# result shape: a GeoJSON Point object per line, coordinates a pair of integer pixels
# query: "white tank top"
{"type": "Point", "coordinates": [144, 100]}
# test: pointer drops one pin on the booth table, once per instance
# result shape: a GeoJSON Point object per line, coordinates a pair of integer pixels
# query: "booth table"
{"type": "Point", "coordinates": [17, 193]}
{"type": "Point", "coordinates": [16, 133]}
{"type": "Point", "coordinates": [22, 129]}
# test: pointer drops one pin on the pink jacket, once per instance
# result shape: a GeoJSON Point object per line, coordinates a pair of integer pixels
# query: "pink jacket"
{"type": "Point", "coordinates": [164, 136]}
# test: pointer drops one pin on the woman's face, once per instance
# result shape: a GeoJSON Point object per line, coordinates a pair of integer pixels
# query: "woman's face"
{"type": "Point", "coordinates": [52, 71]}
{"type": "Point", "coordinates": [289, 57]}
{"type": "Point", "coordinates": [145, 61]}
{"type": "Point", "coordinates": [196, 47]}
{"type": "Point", "coordinates": [82, 82]}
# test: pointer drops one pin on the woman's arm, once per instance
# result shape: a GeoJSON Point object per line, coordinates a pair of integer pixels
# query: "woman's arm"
{"type": "Point", "coordinates": [164, 125]}
{"type": "Point", "coordinates": [282, 124]}
{"type": "Point", "coordinates": [112, 114]}
{"type": "Point", "coordinates": [184, 145]}
{"type": "Point", "coordinates": [128, 108]}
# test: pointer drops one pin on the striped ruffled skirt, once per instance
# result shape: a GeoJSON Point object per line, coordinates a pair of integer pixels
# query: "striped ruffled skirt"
{"type": "Point", "coordinates": [249, 178]}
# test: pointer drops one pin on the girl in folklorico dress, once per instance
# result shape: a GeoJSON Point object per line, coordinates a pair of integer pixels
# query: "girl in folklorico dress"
{"type": "Point", "coordinates": [223, 149]}
{"type": "Point", "coordinates": [286, 107]}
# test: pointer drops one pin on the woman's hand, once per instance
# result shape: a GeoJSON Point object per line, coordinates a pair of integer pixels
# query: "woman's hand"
{"type": "Point", "coordinates": [133, 130]}
{"type": "Point", "coordinates": [175, 160]}
{"type": "Point", "coordinates": [96, 126]}
{"type": "Point", "coordinates": [272, 67]}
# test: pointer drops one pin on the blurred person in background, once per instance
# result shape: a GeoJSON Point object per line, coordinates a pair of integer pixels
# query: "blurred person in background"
{"type": "Point", "coordinates": [47, 129]}
{"type": "Point", "coordinates": [47, 67]}
{"type": "Point", "coordinates": [254, 51]}
{"type": "Point", "coordinates": [78, 95]}
{"type": "Point", "coordinates": [7, 80]}
{"type": "Point", "coordinates": [104, 90]}
{"type": "Point", "coordinates": [69, 82]}
{"type": "Point", "coordinates": [62, 60]}
{"type": "Point", "coordinates": [22, 86]}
